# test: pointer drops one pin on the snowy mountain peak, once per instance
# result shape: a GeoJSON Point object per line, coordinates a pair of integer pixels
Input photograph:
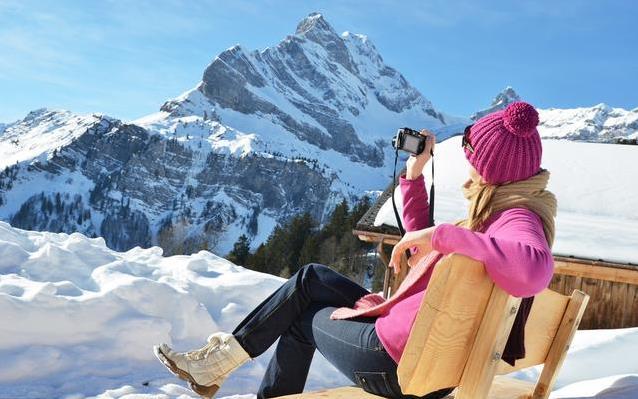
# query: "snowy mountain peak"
{"type": "Point", "coordinates": [314, 85]}
{"type": "Point", "coordinates": [502, 100]}
{"type": "Point", "coordinates": [315, 23]}
{"type": "Point", "coordinates": [602, 107]}
{"type": "Point", "coordinates": [316, 29]}
{"type": "Point", "coordinates": [507, 96]}
{"type": "Point", "coordinates": [296, 127]}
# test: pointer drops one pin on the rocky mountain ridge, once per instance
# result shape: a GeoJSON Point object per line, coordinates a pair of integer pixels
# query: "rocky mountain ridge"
{"type": "Point", "coordinates": [266, 134]}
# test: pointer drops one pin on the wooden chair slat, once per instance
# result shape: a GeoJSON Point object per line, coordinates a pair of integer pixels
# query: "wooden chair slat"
{"type": "Point", "coordinates": [445, 327]}
{"type": "Point", "coordinates": [562, 341]}
{"type": "Point", "coordinates": [542, 324]}
{"type": "Point", "coordinates": [487, 350]}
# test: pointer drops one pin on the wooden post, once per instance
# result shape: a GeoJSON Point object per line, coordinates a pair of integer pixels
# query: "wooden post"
{"type": "Point", "coordinates": [386, 275]}
{"type": "Point", "coordinates": [562, 341]}
{"type": "Point", "coordinates": [397, 279]}
{"type": "Point", "coordinates": [487, 350]}
{"type": "Point", "coordinates": [392, 281]}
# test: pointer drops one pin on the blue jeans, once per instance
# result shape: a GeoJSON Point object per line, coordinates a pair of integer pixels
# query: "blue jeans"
{"type": "Point", "coordinates": [298, 313]}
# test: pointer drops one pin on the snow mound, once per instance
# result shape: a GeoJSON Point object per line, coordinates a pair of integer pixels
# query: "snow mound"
{"type": "Point", "coordinates": [594, 184]}
{"type": "Point", "coordinates": [80, 319]}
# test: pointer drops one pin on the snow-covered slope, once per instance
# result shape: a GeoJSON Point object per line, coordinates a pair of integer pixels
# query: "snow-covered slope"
{"type": "Point", "coordinates": [78, 317]}
{"type": "Point", "coordinates": [79, 320]}
{"type": "Point", "coordinates": [594, 184]}
{"type": "Point", "coordinates": [265, 135]}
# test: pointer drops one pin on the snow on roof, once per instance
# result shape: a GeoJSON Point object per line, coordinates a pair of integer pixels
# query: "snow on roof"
{"type": "Point", "coordinates": [595, 185]}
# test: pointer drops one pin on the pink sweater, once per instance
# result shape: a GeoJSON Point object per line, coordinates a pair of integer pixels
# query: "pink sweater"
{"type": "Point", "coordinates": [512, 246]}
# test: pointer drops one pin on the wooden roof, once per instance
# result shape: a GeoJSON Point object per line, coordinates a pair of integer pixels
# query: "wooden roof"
{"type": "Point", "coordinates": [366, 223]}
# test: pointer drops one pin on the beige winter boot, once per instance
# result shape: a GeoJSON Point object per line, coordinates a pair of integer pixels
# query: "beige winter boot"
{"type": "Point", "coordinates": [205, 369]}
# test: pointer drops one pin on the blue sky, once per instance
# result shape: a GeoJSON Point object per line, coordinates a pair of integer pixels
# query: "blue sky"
{"type": "Point", "coordinates": [125, 58]}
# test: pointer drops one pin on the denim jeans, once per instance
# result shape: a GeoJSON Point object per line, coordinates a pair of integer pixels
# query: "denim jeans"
{"type": "Point", "coordinates": [298, 313]}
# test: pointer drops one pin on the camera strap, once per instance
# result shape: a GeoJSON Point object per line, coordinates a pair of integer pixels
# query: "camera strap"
{"type": "Point", "coordinates": [394, 188]}
{"type": "Point", "coordinates": [394, 185]}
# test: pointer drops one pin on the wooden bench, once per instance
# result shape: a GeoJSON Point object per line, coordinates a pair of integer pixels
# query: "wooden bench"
{"type": "Point", "coordinates": [461, 329]}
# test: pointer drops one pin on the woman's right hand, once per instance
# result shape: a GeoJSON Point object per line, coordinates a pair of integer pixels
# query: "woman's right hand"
{"type": "Point", "coordinates": [416, 163]}
{"type": "Point", "coordinates": [421, 239]}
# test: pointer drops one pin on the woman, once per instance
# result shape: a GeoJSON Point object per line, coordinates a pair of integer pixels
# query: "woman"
{"type": "Point", "coordinates": [510, 228]}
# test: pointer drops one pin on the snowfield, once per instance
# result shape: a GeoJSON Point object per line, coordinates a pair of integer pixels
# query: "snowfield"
{"type": "Point", "coordinates": [79, 320]}
{"type": "Point", "coordinates": [595, 184]}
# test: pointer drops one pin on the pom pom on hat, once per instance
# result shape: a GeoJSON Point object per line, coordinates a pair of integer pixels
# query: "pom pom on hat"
{"type": "Point", "coordinates": [507, 146]}
{"type": "Point", "coordinates": [520, 118]}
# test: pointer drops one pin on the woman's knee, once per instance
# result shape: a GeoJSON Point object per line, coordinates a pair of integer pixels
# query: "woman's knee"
{"type": "Point", "coordinates": [318, 271]}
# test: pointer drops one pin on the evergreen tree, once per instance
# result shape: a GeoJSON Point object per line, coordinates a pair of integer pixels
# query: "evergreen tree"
{"type": "Point", "coordinates": [300, 229]}
{"type": "Point", "coordinates": [310, 250]}
{"type": "Point", "coordinates": [299, 242]}
{"type": "Point", "coordinates": [338, 221]}
{"type": "Point", "coordinates": [240, 252]}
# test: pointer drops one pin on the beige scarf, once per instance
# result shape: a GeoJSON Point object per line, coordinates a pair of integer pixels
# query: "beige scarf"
{"type": "Point", "coordinates": [486, 199]}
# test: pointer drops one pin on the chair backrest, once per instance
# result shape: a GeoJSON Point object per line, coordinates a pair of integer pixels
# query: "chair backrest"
{"type": "Point", "coordinates": [462, 326]}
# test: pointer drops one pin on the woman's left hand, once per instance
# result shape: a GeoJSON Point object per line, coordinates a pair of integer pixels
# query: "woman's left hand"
{"type": "Point", "coordinates": [421, 239]}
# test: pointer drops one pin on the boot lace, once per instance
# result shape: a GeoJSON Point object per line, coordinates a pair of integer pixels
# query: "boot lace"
{"type": "Point", "coordinates": [213, 344]}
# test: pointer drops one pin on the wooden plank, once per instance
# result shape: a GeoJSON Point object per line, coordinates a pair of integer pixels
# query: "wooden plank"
{"type": "Point", "coordinates": [617, 310]}
{"type": "Point", "coordinates": [487, 350]}
{"type": "Point", "coordinates": [627, 304]}
{"type": "Point", "coordinates": [506, 388]}
{"type": "Point", "coordinates": [607, 273]}
{"type": "Point", "coordinates": [594, 262]}
{"type": "Point", "coordinates": [351, 392]}
{"type": "Point", "coordinates": [632, 308]}
{"type": "Point", "coordinates": [590, 287]}
{"type": "Point", "coordinates": [445, 326]}
{"type": "Point", "coordinates": [563, 340]}
{"type": "Point", "coordinates": [376, 237]}
{"type": "Point", "coordinates": [502, 388]}
{"type": "Point", "coordinates": [510, 388]}
{"type": "Point", "coordinates": [542, 325]}
{"type": "Point", "coordinates": [604, 296]}
{"type": "Point", "coordinates": [558, 283]}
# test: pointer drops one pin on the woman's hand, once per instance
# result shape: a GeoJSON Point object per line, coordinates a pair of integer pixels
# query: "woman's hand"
{"type": "Point", "coordinates": [421, 239]}
{"type": "Point", "coordinates": [416, 163]}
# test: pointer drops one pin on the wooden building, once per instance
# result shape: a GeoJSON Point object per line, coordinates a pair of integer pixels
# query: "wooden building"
{"type": "Point", "coordinates": [612, 286]}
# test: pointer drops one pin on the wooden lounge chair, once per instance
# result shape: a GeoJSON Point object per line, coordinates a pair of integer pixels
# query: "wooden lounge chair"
{"type": "Point", "coordinates": [461, 329]}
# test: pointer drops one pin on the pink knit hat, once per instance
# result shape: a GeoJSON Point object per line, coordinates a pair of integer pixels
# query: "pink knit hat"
{"type": "Point", "coordinates": [507, 146]}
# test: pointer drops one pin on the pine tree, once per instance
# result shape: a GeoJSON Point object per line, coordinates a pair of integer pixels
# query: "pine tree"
{"type": "Point", "coordinates": [240, 252]}
{"type": "Point", "coordinates": [299, 242]}
{"type": "Point", "coordinates": [338, 220]}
